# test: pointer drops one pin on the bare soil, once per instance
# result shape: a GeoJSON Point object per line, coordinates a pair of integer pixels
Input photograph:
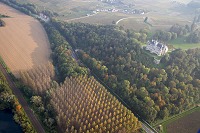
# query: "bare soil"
{"type": "Point", "coordinates": [187, 124]}
{"type": "Point", "coordinates": [23, 41]}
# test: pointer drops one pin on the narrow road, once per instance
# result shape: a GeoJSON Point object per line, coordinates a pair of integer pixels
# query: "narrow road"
{"type": "Point", "coordinates": [36, 124]}
{"type": "Point", "coordinates": [122, 20]}
{"type": "Point", "coordinates": [144, 127]}
{"type": "Point", "coordinates": [147, 130]}
{"type": "Point", "coordinates": [81, 17]}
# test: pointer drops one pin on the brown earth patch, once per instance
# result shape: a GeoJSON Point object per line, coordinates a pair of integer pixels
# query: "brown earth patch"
{"type": "Point", "coordinates": [23, 41]}
{"type": "Point", "coordinates": [187, 124]}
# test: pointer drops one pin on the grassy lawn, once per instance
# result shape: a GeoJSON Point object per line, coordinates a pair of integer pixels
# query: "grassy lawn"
{"type": "Point", "coordinates": [182, 44]}
{"type": "Point", "coordinates": [157, 22]}
{"type": "Point", "coordinates": [172, 119]}
{"type": "Point", "coordinates": [135, 22]}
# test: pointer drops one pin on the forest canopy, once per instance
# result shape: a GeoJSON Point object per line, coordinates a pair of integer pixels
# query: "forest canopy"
{"type": "Point", "coordinates": [117, 57]}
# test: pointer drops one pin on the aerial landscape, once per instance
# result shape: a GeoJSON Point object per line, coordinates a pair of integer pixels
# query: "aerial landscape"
{"type": "Point", "coordinates": [99, 66]}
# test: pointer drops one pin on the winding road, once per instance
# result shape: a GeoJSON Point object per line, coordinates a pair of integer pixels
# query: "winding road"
{"type": "Point", "coordinates": [81, 17]}
{"type": "Point", "coordinates": [123, 19]}
{"type": "Point", "coordinates": [35, 122]}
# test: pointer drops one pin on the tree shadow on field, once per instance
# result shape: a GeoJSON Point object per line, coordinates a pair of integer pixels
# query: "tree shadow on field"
{"type": "Point", "coordinates": [37, 48]}
{"type": "Point", "coordinates": [41, 54]}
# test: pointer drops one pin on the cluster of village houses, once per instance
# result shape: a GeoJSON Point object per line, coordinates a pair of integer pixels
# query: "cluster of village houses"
{"type": "Point", "coordinates": [133, 11]}
{"type": "Point", "coordinates": [126, 10]}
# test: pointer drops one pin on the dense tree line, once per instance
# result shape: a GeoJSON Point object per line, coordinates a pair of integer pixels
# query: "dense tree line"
{"type": "Point", "coordinates": [3, 16]}
{"type": "Point", "coordinates": [2, 23]}
{"type": "Point", "coordinates": [174, 32]}
{"type": "Point", "coordinates": [194, 36]}
{"type": "Point", "coordinates": [84, 105]}
{"type": "Point", "coordinates": [154, 93]}
{"type": "Point", "coordinates": [180, 30]}
{"type": "Point", "coordinates": [37, 83]}
{"type": "Point", "coordinates": [164, 35]}
{"type": "Point", "coordinates": [106, 41]}
{"type": "Point", "coordinates": [9, 101]}
{"type": "Point", "coordinates": [25, 8]}
{"type": "Point", "coordinates": [28, 8]}
{"type": "Point", "coordinates": [140, 36]}
{"type": "Point", "coordinates": [93, 64]}
{"type": "Point", "coordinates": [111, 118]}
{"type": "Point", "coordinates": [39, 79]}
{"type": "Point", "coordinates": [62, 55]}
{"type": "Point", "coordinates": [80, 104]}
{"type": "Point", "coordinates": [192, 33]}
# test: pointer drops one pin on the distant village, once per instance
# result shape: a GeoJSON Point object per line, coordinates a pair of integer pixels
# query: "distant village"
{"type": "Point", "coordinates": [120, 7]}
{"type": "Point", "coordinates": [126, 11]}
{"type": "Point", "coordinates": [111, 1]}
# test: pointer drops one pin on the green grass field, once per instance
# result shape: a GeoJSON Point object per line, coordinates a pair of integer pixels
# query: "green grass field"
{"type": "Point", "coordinates": [182, 44]}
{"type": "Point", "coordinates": [135, 23]}
{"type": "Point", "coordinates": [158, 22]}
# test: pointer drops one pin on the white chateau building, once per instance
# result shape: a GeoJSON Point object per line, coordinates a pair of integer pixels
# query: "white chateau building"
{"type": "Point", "coordinates": [155, 47]}
{"type": "Point", "coordinates": [43, 17]}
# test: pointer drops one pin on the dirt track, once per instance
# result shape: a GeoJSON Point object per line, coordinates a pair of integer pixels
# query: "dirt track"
{"type": "Point", "coordinates": [23, 41]}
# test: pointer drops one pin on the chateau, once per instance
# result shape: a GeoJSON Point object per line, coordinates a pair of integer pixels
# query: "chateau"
{"type": "Point", "coordinates": [156, 47]}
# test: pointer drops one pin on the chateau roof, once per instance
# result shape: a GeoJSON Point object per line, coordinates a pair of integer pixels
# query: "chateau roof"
{"type": "Point", "coordinates": [156, 47]}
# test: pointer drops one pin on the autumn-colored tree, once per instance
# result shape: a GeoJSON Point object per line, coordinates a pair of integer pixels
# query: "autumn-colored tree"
{"type": "Point", "coordinates": [101, 112]}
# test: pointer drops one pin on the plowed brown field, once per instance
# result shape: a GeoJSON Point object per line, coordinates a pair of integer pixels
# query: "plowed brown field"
{"type": "Point", "coordinates": [23, 41]}
{"type": "Point", "coordinates": [187, 124]}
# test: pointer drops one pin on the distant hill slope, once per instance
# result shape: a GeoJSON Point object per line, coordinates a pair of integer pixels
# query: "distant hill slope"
{"type": "Point", "coordinates": [194, 4]}
{"type": "Point", "coordinates": [183, 1]}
